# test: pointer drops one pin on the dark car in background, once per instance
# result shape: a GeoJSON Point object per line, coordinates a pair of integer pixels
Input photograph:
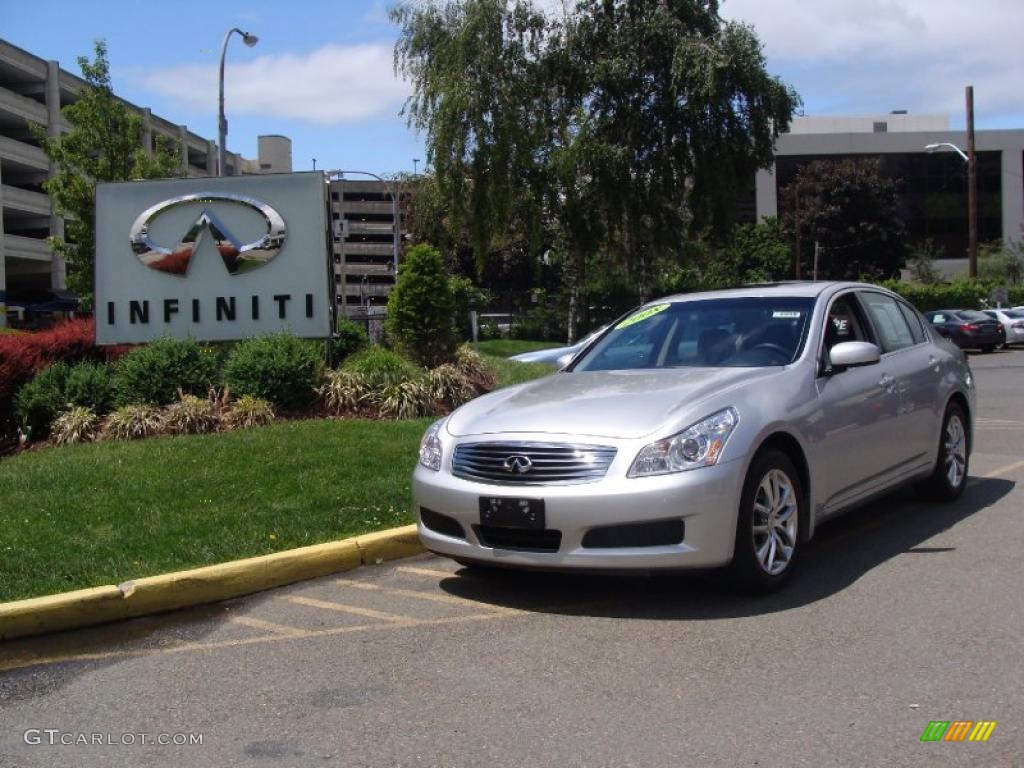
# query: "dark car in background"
{"type": "Point", "coordinates": [968, 328]}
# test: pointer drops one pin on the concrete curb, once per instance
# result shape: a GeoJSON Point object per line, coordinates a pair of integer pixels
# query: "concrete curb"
{"type": "Point", "coordinates": [210, 584]}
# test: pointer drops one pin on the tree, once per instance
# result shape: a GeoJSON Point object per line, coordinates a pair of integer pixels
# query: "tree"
{"type": "Point", "coordinates": [852, 212]}
{"type": "Point", "coordinates": [421, 308]}
{"type": "Point", "coordinates": [624, 125]}
{"type": "Point", "coordinates": [755, 253]}
{"type": "Point", "coordinates": [103, 144]}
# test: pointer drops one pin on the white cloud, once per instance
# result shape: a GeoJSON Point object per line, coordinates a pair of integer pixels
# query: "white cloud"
{"type": "Point", "coordinates": [874, 55]}
{"type": "Point", "coordinates": [331, 85]}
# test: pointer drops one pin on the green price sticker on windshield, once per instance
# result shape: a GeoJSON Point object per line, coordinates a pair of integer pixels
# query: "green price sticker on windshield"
{"type": "Point", "coordinates": [641, 316]}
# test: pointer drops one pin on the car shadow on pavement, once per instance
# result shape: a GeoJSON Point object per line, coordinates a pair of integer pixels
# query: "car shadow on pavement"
{"type": "Point", "coordinates": [841, 552]}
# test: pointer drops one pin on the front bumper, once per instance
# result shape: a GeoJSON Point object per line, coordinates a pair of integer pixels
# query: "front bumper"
{"type": "Point", "coordinates": [705, 499]}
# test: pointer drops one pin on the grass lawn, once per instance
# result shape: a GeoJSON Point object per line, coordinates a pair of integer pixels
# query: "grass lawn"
{"type": "Point", "coordinates": [509, 347]}
{"type": "Point", "coordinates": [103, 513]}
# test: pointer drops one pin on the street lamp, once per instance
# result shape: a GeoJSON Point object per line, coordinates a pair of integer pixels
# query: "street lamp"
{"type": "Point", "coordinates": [972, 203]}
{"type": "Point", "coordinates": [222, 123]}
{"type": "Point", "coordinates": [949, 145]}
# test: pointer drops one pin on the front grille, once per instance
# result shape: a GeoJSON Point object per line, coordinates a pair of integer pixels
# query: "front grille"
{"type": "Point", "coordinates": [520, 539]}
{"type": "Point", "coordinates": [660, 533]}
{"type": "Point", "coordinates": [532, 463]}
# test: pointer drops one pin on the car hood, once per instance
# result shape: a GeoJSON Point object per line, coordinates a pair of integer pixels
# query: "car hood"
{"type": "Point", "coordinates": [615, 404]}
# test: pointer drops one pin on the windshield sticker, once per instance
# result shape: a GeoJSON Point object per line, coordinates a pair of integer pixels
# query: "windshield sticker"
{"type": "Point", "coordinates": [786, 315]}
{"type": "Point", "coordinates": [641, 316]}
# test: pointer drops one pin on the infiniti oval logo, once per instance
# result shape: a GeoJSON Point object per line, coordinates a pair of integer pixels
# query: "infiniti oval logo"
{"type": "Point", "coordinates": [518, 464]}
{"type": "Point", "coordinates": [238, 257]}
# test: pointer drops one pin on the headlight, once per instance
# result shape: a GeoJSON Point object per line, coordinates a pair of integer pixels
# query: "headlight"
{"type": "Point", "coordinates": [697, 446]}
{"type": "Point", "coordinates": [430, 447]}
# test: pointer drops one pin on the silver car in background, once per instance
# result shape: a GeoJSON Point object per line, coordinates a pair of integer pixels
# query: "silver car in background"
{"type": "Point", "coordinates": [703, 430]}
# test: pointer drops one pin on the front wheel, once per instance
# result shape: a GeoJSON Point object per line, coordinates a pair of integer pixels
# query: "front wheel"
{"type": "Point", "coordinates": [767, 527]}
{"type": "Point", "coordinates": [949, 477]}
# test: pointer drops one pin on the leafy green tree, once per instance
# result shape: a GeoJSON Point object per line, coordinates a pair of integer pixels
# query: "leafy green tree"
{"type": "Point", "coordinates": [103, 144]}
{"type": "Point", "coordinates": [755, 253]}
{"type": "Point", "coordinates": [852, 211]}
{"type": "Point", "coordinates": [421, 308]}
{"type": "Point", "coordinates": [623, 125]}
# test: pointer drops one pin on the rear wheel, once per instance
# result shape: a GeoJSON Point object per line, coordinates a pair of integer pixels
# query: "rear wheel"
{"type": "Point", "coordinates": [949, 477]}
{"type": "Point", "coordinates": [767, 527]}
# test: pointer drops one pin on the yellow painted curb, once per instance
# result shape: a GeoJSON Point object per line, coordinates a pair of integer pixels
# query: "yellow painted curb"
{"type": "Point", "coordinates": [209, 584]}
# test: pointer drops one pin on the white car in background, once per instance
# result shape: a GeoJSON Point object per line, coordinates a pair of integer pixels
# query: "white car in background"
{"type": "Point", "coordinates": [1013, 323]}
{"type": "Point", "coordinates": [558, 356]}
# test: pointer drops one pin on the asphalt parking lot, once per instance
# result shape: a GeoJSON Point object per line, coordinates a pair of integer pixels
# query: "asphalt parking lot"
{"type": "Point", "coordinates": [903, 613]}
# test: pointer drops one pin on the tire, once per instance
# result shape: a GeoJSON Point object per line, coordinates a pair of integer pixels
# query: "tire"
{"type": "Point", "coordinates": [945, 484]}
{"type": "Point", "coordinates": [760, 566]}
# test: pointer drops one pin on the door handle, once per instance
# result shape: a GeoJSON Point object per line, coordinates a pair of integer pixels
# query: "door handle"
{"type": "Point", "coordinates": [887, 382]}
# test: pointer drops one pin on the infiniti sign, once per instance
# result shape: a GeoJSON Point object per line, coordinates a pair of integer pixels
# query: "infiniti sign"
{"type": "Point", "coordinates": [215, 259]}
{"type": "Point", "coordinates": [518, 464]}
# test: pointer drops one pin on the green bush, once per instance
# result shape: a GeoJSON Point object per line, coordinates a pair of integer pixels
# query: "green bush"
{"type": "Point", "coordinates": [89, 385]}
{"type": "Point", "coordinates": [381, 368]}
{"type": "Point", "coordinates": [421, 308]}
{"type": "Point", "coordinates": [960, 294]}
{"type": "Point", "coordinates": [349, 338]}
{"type": "Point", "coordinates": [42, 399]}
{"type": "Point", "coordinates": [280, 368]}
{"type": "Point", "coordinates": [154, 374]}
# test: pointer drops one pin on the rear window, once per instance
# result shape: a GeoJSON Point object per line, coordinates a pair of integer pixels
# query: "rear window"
{"type": "Point", "coordinates": [972, 316]}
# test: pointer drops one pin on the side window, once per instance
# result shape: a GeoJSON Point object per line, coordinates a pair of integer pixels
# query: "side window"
{"type": "Point", "coordinates": [891, 326]}
{"type": "Point", "coordinates": [937, 318]}
{"type": "Point", "coordinates": [914, 321]}
{"type": "Point", "coordinates": [844, 322]}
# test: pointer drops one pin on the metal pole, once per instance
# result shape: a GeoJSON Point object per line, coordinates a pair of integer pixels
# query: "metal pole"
{"type": "Point", "coordinates": [972, 189]}
{"type": "Point", "coordinates": [222, 123]}
{"type": "Point", "coordinates": [817, 250]}
{"type": "Point", "coordinates": [796, 226]}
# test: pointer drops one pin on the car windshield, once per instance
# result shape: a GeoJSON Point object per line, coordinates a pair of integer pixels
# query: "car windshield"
{"type": "Point", "coordinates": [1016, 314]}
{"type": "Point", "coordinates": [732, 333]}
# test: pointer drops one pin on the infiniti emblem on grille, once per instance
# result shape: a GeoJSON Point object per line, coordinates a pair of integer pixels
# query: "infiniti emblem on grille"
{"type": "Point", "coordinates": [518, 464]}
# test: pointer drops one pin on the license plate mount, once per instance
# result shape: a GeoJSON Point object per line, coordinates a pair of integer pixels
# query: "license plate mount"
{"type": "Point", "coordinates": [504, 512]}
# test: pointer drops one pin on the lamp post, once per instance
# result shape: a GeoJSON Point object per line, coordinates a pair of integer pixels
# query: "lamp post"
{"type": "Point", "coordinates": [394, 209]}
{"type": "Point", "coordinates": [222, 123]}
{"type": "Point", "coordinates": [972, 206]}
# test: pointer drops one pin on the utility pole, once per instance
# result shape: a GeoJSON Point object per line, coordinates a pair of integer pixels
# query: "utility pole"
{"type": "Point", "coordinates": [972, 189]}
{"type": "Point", "coordinates": [817, 252]}
{"type": "Point", "coordinates": [796, 226]}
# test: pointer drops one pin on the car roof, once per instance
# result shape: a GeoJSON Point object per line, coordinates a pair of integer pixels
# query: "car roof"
{"type": "Point", "coordinates": [791, 288]}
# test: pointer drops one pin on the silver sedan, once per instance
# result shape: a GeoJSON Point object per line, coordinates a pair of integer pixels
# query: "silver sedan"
{"type": "Point", "coordinates": [703, 430]}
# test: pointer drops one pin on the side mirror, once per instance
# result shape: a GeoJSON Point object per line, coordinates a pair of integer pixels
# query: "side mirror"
{"type": "Point", "coordinates": [853, 354]}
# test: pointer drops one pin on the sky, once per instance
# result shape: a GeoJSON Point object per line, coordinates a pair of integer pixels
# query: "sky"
{"type": "Point", "coordinates": [322, 71]}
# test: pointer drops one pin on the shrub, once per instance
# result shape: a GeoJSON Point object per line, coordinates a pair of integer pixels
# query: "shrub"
{"type": "Point", "coordinates": [965, 294]}
{"type": "Point", "coordinates": [471, 365]}
{"type": "Point", "coordinates": [404, 400]}
{"type": "Point", "coordinates": [280, 368]}
{"type": "Point", "coordinates": [131, 422]}
{"type": "Point", "coordinates": [349, 339]}
{"type": "Point", "coordinates": [191, 415]}
{"type": "Point", "coordinates": [89, 385]}
{"type": "Point", "coordinates": [382, 367]}
{"type": "Point", "coordinates": [76, 425]}
{"type": "Point", "coordinates": [450, 385]}
{"type": "Point", "coordinates": [421, 308]}
{"type": "Point", "coordinates": [22, 355]}
{"type": "Point", "coordinates": [344, 391]}
{"type": "Point", "coordinates": [41, 400]}
{"type": "Point", "coordinates": [248, 411]}
{"type": "Point", "coordinates": [154, 374]}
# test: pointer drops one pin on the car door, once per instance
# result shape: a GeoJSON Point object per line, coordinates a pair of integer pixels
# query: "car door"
{"type": "Point", "coordinates": [914, 366]}
{"type": "Point", "coordinates": [855, 444]}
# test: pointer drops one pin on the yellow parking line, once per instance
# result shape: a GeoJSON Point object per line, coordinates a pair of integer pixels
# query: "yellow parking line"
{"type": "Point", "coordinates": [1003, 470]}
{"type": "Point", "coordinates": [7, 666]}
{"type": "Point", "coordinates": [269, 626]}
{"type": "Point", "coordinates": [343, 608]}
{"type": "Point", "coordinates": [450, 599]}
{"type": "Point", "coordinates": [425, 571]}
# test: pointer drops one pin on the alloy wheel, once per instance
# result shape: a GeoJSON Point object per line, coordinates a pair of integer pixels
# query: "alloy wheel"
{"type": "Point", "coordinates": [955, 451]}
{"type": "Point", "coordinates": [774, 522]}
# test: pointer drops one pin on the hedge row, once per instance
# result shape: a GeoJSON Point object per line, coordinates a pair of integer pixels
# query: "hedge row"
{"type": "Point", "coordinates": [960, 294]}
